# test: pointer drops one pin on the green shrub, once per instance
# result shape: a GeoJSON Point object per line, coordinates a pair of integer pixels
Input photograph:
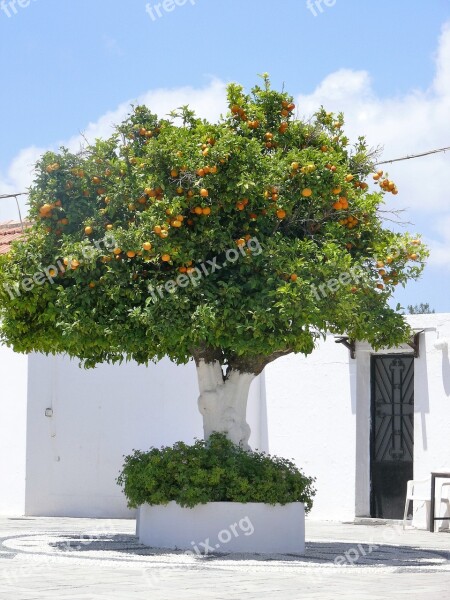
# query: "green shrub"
{"type": "Point", "coordinates": [212, 471]}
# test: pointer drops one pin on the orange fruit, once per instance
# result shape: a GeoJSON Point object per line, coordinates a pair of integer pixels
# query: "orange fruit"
{"type": "Point", "coordinates": [198, 210]}
{"type": "Point", "coordinates": [147, 246]}
{"type": "Point", "coordinates": [281, 214]}
{"type": "Point", "coordinates": [109, 227]}
{"type": "Point", "coordinates": [206, 210]}
{"type": "Point", "coordinates": [204, 193]}
{"type": "Point", "coordinates": [176, 223]}
{"type": "Point", "coordinates": [337, 190]}
{"type": "Point", "coordinates": [131, 254]}
{"type": "Point", "coordinates": [294, 277]}
{"type": "Point", "coordinates": [88, 230]}
{"type": "Point", "coordinates": [45, 209]}
{"type": "Point", "coordinates": [117, 251]}
{"type": "Point", "coordinates": [174, 173]}
{"type": "Point", "coordinates": [307, 192]}
{"type": "Point", "coordinates": [165, 257]}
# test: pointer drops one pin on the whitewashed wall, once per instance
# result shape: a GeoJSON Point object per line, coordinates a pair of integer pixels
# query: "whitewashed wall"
{"type": "Point", "coordinates": [99, 415]}
{"type": "Point", "coordinates": [313, 409]}
{"type": "Point", "coordinates": [311, 415]}
{"type": "Point", "coordinates": [432, 404]}
{"type": "Point", "coordinates": [13, 407]}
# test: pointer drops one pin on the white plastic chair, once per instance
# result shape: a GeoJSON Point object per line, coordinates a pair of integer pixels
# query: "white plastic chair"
{"type": "Point", "coordinates": [419, 490]}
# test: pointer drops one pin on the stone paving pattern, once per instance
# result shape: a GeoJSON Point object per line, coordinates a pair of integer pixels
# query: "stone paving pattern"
{"type": "Point", "coordinates": [94, 559]}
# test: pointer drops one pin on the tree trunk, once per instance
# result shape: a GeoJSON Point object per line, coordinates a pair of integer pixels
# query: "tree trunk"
{"type": "Point", "coordinates": [223, 402]}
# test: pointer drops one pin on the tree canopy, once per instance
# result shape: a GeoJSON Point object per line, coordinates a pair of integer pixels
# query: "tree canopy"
{"type": "Point", "coordinates": [237, 240]}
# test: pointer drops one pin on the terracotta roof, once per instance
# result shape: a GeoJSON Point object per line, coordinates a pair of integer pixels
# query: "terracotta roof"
{"type": "Point", "coordinates": [9, 231]}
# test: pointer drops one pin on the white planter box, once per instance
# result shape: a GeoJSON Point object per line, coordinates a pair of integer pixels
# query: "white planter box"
{"type": "Point", "coordinates": [224, 527]}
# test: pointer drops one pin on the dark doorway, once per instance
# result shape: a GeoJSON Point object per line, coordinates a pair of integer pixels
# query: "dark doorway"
{"type": "Point", "coordinates": [392, 443]}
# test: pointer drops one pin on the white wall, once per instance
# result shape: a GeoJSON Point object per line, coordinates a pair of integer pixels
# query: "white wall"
{"type": "Point", "coordinates": [311, 415]}
{"type": "Point", "coordinates": [100, 415]}
{"type": "Point", "coordinates": [13, 407]}
{"type": "Point", "coordinates": [315, 410]}
{"type": "Point", "coordinates": [432, 404]}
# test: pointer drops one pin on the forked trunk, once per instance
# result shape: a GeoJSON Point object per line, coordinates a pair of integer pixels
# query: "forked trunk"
{"type": "Point", "coordinates": [223, 402]}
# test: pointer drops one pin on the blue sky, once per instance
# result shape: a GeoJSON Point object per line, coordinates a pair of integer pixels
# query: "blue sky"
{"type": "Point", "coordinates": [73, 66]}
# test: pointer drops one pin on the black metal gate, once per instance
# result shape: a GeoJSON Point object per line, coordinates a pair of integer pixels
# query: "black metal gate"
{"type": "Point", "coordinates": [392, 443]}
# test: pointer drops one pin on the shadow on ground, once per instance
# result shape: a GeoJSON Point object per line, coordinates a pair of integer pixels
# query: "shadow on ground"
{"type": "Point", "coordinates": [317, 553]}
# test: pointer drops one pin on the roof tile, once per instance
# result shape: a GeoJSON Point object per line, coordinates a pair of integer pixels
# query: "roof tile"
{"type": "Point", "coordinates": [10, 231]}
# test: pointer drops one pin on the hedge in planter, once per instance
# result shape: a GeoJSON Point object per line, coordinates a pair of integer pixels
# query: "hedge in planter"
{"type": "Point", "coordinates": [212, 471]}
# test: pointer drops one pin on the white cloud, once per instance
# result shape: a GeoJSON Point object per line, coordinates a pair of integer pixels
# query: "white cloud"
{"type": "Point", "coordinates": [414, 122]}
{"type": "Point", "coordinates": [208, 102]}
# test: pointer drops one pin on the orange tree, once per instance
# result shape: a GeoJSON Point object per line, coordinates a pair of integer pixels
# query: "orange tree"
{"type": "Point", "coordinates": [232, 243]}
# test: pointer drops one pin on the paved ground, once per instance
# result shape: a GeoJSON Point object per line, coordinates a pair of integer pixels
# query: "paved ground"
{"type": "Point", "coordinates": [90, 559]}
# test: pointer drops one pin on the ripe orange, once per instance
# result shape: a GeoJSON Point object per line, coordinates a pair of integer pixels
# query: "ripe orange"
{"type": "Point", "coordinates": [198, 210]}
{"type": "Point", "coordinates": [147, 246]}
{"type": "Point", "coordinates": [295, 166]}
{"type": "Point", "coordinates": [281, 214]}
{"type": "Point", "coordinates": [206, 210]}
{"type": "Point", "coordinates": [96, 180]}
{"type": "Point", "coordinates": [174, 173]}
{"type": "Point", "coordinates": [307, 192]}
{"type": "Point", "coordinates": [165, 257]}
{"type": "Point", "coordinates": [109, 227]}
{"type": "Point", "coordinates": [337, 190]}
{"type": "Point", "coordinates": [240, 242]}
{"type": "Point", "coordinates": [176, 223]}
{"type": "Point", "coordinates": [88, 230]}
{"type": "Point", "coordinates": [117, 251]}
{"type": "Point", "coordinates": [294, 277]}
{"type": "Point", "coordinates": [45, 209]}
{"type": "Point", "coordinates": [204, 193]}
